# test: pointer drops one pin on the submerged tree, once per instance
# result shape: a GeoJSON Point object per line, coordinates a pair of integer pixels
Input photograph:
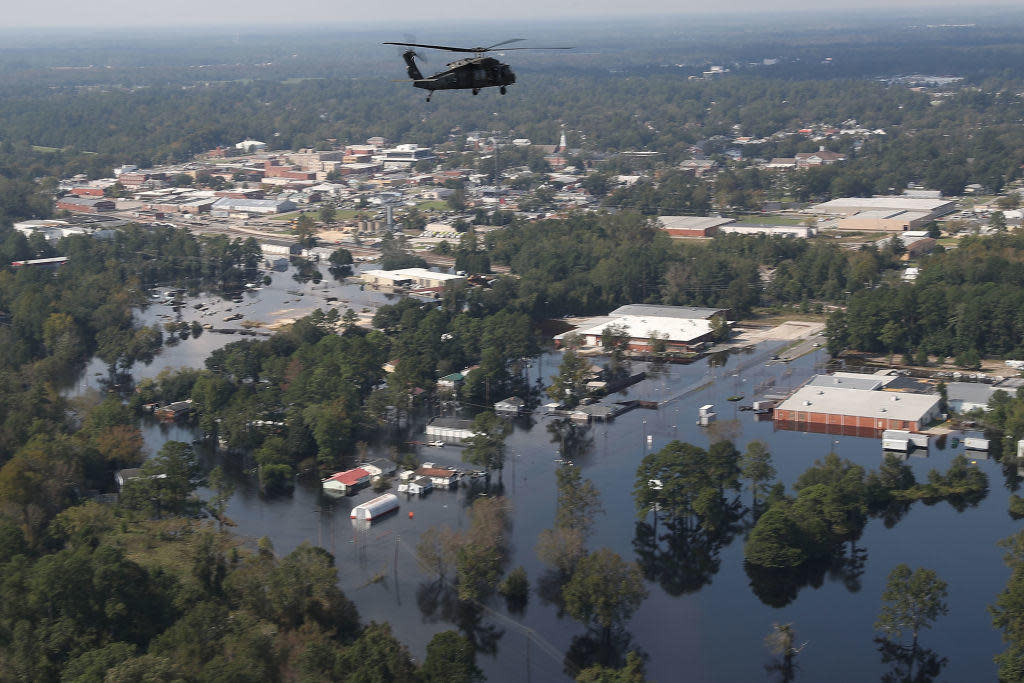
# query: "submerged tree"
{"type": "Point", "coordinates": [451, 658]}
{"type": "Point", "coordinates": [756, 467]}
{"type": "Point", "coordinates": [486, 448]}
{"type": "Point", "coordinates": [1008, 612]}
{"type": "Point", "coordinates": [604, 591]}
{"type": "Point", "coordinates": [781, 642]}
{"type": "Point", "coordinates": [911, 603]}
{"type": "Point", "coordinates": [569, 385]}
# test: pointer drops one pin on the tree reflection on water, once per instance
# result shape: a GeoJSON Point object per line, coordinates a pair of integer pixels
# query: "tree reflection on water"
{"type": "Point", "coordinates": [597, 647]}
{"type": "Point", "coordinates": [574, 440]}
{"type": "Point", "coordinates": [685, 555]}
{"type": "Point", "coordinates": [438, 601]}
{"type": "Point", "coordinates": [910, 663]}
{"type": "Point", "coordinates": [779, 587]}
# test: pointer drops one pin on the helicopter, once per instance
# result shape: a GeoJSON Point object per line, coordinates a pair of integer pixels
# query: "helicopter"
{"type": "Point", "coordinates": [469, 73]}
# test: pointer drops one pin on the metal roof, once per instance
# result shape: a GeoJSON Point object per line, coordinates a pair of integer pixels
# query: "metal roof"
{"type": "Point", "coordinates": [971, 392]}
{"type": "Point", "coordinates": [861, 403]}
{"type": "Point", "coordinates": [849, 380]}
{"type": "Point", "coordinates": [671, 328]}
{"type": "Point", "coordinates": [692, 222]}
{"type": "Point", "coordinates": [233, 203]}
{"type": "Point", "coordinates": [654, 311]}
{"type": "Point", "coordinates": [852, 205]}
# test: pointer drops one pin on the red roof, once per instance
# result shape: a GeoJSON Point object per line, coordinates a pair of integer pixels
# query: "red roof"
{"type": "Point", "coordinates": [435, 472]}
{"type": "Point", "coordinates": [349, 477]}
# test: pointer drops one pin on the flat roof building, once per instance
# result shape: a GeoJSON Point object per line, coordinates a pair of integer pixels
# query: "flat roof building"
{"type": "Point", "coordinates": [692, 226]}
{"type": "Point", "coordinates": [683, 328]}
{"type": "Point", "coordinates": [964, 397]}
{"type": "Point", "coordinates": [884, 220]}
{"type": "Point", "coordinates": [654, 310]}
{"type": "Point", "coordinates": [229, 205]}
{"type": "Point", "coordinates": [414, 278]}
{"type": "Point", "coordinates": [800, 231]}
{"type": "Point", "coordinates": [848, 206]}
{"type": "Point", "coordinates": [854, 406]}
{"type": "Point", "coordinates": [679, 334]}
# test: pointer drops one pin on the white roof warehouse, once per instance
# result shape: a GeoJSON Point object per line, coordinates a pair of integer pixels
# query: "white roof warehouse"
{"type": "Point", "coordinates": [854, 407]}
{"type": "Point", "coordinates": [682, 327]}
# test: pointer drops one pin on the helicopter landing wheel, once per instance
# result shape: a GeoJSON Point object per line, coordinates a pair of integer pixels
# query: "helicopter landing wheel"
{"type": "Point", "coordinates": [428, 98]}
{"type": "Point", "coordinates": [502, 90]}
{"type": "Point", "coordinates": [476, 90]}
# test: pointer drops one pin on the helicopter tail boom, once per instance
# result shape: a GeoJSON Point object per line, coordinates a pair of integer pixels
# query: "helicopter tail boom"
{"type": "Point", "coordinates": [410, 61]}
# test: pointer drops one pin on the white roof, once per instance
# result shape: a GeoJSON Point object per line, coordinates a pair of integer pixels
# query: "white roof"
{"type": "Point", "coordinates": [692, 222]}
{"type": "Point", "coordinates": [861, 403]}
{"type": "Point", "coordinates": [851, 380]}
{"type": "Point", "coordinates": [656, 311]}
{"type": "Point", "coordinates": [849, 205]}
{"type": "Point", "coordinates": [642, 327]}
{"type": "Point", "coordinates": [411, 273]}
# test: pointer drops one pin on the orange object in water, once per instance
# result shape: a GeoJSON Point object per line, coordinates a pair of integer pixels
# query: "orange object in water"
{"type": "Point", "coordinates": [410, 515]}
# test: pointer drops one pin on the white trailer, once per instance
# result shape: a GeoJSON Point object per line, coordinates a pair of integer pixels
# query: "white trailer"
{"type": "Point", "coordinates": [372, 509]}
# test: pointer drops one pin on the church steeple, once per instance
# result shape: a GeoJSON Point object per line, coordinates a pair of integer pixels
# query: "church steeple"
{"type": "Point", "coordinates": [562, 145]}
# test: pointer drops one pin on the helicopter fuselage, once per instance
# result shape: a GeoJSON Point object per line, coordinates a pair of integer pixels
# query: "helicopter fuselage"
{"type": "Point", "coordinates": [471, 73]}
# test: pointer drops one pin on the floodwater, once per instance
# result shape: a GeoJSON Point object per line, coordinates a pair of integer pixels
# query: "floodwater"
{"type": "Point", "coordinates": [710, 624]}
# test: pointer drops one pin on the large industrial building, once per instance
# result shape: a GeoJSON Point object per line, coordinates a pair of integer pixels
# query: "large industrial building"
{"type": "Point", "coordinates": [683, 328]}
{"type": "Point", "coordinates": [851, 404]}
{"type": "Point", "coordinates": [228, 206]}
{"type": "Point", "coordinates": [883, 214]}
{"type": "Point", "coordinates": [692, 226]}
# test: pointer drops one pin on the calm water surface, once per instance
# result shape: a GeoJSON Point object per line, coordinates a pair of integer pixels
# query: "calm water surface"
{"type": "Point", "coordinates": [714, 633]}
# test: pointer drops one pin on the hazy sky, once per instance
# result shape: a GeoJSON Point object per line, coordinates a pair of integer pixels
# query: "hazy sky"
{"type": "Point", "coordinates": [114, 13]}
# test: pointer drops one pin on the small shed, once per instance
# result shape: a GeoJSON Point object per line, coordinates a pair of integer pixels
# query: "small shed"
{"type": "Point", "coordinates": [121, 477]}
{"type": "Point", "coordinates": [451, 382]}
{"type": "Point", "coordinates": [174, 411]}
{"type": "Point", "coordinates": [379, 467]}
{"type": "Point", "coordinates": [420, 485]}
{"type": "Point", "coordinates": [442, 477]}
{"type": "Point", "coordinates": [513, 405]}
{"type": "Point", "coordinates": [450, 430]}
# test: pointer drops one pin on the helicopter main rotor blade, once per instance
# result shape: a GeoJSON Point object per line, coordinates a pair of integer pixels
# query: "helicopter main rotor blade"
{"type": "Point", "coordinates": [537, 48]}
{"type": "Point", "coordinates": [504, 42]}
{"type": "Point", "coordinates": [434, 47]}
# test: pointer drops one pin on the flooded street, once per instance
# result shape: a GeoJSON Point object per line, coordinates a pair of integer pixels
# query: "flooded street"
{"type": "Point", "coordinates": [699, 623]}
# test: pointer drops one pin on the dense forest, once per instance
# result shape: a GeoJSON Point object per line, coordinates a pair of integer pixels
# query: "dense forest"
{"type": "Point", "coordinates": [966, 303]}
{"type": "Point", "coordinates": [591, 263]}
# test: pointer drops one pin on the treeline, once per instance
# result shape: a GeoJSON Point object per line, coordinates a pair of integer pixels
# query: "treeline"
{"type": "Point", "coordinates": [592, 263]}
{"type": "Point", "coordinates": [656, 111]}
{"type": "Point", "coordinates": [966, 303]}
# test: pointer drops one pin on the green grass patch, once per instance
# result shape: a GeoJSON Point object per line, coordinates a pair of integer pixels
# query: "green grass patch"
{"type": "Point", "coordinates": [760, 219]}
{"type": "Point", "coordinates": [433, 205]}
